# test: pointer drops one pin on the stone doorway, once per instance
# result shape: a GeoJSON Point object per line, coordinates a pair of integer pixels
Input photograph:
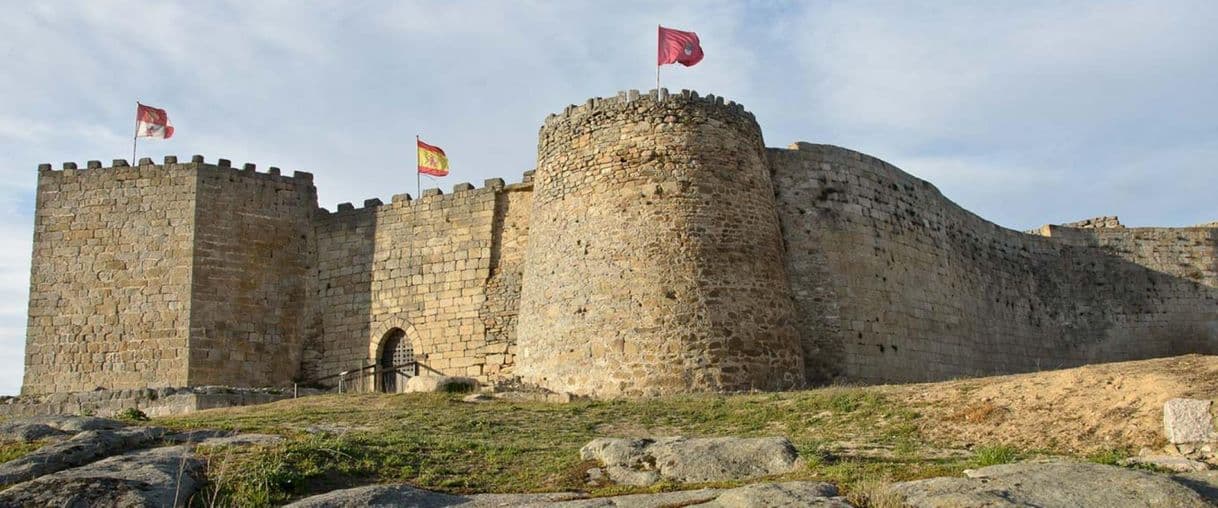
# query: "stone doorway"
{"type": "Point", "coordinates": [396, 361]}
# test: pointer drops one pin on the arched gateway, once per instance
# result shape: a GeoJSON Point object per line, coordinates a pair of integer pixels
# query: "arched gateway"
{"type": "Point", "coordinates": [396, 361]}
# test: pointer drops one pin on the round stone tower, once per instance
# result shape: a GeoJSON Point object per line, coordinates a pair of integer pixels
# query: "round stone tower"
{"type": "Point", "coordinates": [655, 260]}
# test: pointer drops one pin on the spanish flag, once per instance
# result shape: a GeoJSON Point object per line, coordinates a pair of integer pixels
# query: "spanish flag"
{"type": "Point", "coordinates": [432, 160]}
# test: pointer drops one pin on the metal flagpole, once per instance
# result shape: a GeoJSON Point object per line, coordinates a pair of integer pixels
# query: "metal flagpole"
{"type": "Point", "coordinates": [658, 28]}
{"type": "Point", "coordinates": [418, 186]}
{"type": "Point", "coordinates": [135, 137]}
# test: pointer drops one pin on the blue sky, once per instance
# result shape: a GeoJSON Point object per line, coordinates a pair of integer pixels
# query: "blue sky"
{"type": "Point", "coordinates": [1023, 112]}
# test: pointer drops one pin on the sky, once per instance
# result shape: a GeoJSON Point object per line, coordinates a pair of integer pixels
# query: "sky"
{"type": "Point", "coordinates": [1026, 113]}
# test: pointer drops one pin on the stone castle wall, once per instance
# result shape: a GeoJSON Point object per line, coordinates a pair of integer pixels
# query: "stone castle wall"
{"type": "Point", "coordinates": [111, 277]}
{"type": "Point", "coordinates": [654, 264]}
{"type": "Point", "coordinates": [1190, 254]}
{"type": "Point", "coordinates": [889, 274]}
{"type": "Point", "coordinates": [253, 276]}
{"type": "Point", "coordinates": [182, 273]}
{"type": "Point", "coordinates": [444, 269]}
{"type": "Point", "coordinates": [660, 249]}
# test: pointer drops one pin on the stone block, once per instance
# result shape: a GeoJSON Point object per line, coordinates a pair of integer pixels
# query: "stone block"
{"type": "Point", "coordinates": [1188, 421]}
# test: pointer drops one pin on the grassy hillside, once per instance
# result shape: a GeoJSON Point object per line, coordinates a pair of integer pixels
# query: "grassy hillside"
{"type": "Point", "coordinates": [854, 437]}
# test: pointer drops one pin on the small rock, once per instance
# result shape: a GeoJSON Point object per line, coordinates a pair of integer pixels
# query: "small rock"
{"type": "Point", "coordinates": [596, 474]}
{"type": "Point", "coordinates": [419, 384]}
{"type": "Point", "coordinates": [1168, 462]}
{"type": "Point", "coordinates": [478, 398]}
{"type": "Point", "coordinates": [1188, 421]}
{"type": "Point", "coordinates": [633, 477]}
{"type": "Point", "coordinates": [242, 439]}
{"type": "Point", "coordinates": [644, 461]}
{"type": "Point", "coordinates": [779, 494]}
{"type": "Point", "coordinates": [560, 398]}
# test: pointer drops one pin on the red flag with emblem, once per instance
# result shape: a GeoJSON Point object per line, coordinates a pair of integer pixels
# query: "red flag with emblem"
{"type": "Point", "coordinates": [679, 47]}
{"type": "Point", "coordinates": [152, 122]}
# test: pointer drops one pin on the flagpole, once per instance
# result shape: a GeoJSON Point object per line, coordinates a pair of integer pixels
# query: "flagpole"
{"type": "Point", "coordinates": [658, 28]}
{"type": "Point", "coordinates": [418, 186]}
{"type": "Point", "coordinates": [136, 136]}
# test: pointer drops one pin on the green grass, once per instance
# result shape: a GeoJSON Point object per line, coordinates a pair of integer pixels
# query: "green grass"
{"type": "Point", "coordinates": [15, 450]}
{"type": "Point", "coordinates": [994, 455]}
{"type": "Point", "coordinates": [438, 442]}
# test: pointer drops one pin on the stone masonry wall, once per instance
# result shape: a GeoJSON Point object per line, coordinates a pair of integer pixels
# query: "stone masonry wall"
{"type": "Point", "coordinates": [110, 282]}
{"type": "Point", "coordinates": [254, 262]}
{"type": "Point", "coordinates": [1186, 253]}
{"type": "Point", "coordinates": [654, 262]}
{"type": "Point", "coordinates": [345, 242]}
{"type": "Point", "coordinates": [445, 269]}
{"type": "Point", "coordinates": [499, 313]}
{"type": "Point", "coordinates": [894, 283]}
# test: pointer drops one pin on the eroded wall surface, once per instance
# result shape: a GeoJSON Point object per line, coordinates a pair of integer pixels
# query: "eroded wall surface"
{"type": "Point", "coordinates": [111, 277]}
{"type": "Point", "coordinates": [895, 283]}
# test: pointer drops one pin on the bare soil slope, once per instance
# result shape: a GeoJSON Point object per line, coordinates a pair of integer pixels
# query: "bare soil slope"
{"type": "Point", "coordinates": [1083, 409]}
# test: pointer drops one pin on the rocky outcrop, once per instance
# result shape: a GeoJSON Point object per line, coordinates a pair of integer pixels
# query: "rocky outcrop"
{"type": "Point", "coordinates": [95, 462]}
{"type": "Point", "coordinates": [1049, 484]}
{"type": "Point", "coordinates": [158, 477]}
{"type": "Point", "coordinates": [761, 495]}
{"type": "Point", "coordinates": [82, 448]}
{"type": "Point", "coordinates": [646, 461]}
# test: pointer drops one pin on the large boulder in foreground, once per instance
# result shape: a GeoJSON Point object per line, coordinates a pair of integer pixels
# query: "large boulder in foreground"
{"type": "Point", "coordinates": [646, 461]}
{"type": "Point", "coordinates": [1048, 485]}
{"type": "Point", "coordinates": [790, 494]}
{"type": "Point", "coordinates": [159, 477]}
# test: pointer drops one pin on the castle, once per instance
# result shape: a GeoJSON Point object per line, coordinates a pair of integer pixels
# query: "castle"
{"type": "Point", "coordinates": [659, 247]}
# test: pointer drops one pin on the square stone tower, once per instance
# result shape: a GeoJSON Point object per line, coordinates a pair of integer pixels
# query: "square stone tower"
{"type": "Point", "coordinates": [179, 274]}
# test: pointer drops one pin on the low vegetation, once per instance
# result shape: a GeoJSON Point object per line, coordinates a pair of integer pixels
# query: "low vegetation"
{"type": "Point", "coordinates": [854, 437]}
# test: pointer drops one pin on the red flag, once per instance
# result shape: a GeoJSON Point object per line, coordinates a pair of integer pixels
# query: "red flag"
{"type": "Point", "coordinates": [679, 47]}
{"type": "Point", "coordinates": [152, 122]}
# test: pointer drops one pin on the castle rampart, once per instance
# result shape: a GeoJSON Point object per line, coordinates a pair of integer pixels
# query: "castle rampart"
{"type": "Point", "coordinates": [659, 268]}
{"type": "Point", "coordinates": [889, 274]}
{"type": "Point", "coordinates": [660, 248]}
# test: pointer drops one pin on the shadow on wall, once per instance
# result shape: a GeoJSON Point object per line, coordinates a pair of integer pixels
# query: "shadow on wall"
{"type": "Point", "coordinates": [346, 242]}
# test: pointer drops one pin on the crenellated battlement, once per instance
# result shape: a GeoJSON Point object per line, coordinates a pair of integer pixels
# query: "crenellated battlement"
{"type": "Point", "coordinates": [628, 100]}
{"type": "Point", "coordinates": [171, 162]}
{"type": "Point", "coordinates": [436, 195]}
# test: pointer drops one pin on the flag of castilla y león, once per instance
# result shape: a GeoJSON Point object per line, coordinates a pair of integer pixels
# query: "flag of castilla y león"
{"type": "Point", "coordinates": [152, 123]}
{"type": "Point", "coordinates": [679, 47]}
{"type": "Point", "coordinates": [432, 160]}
